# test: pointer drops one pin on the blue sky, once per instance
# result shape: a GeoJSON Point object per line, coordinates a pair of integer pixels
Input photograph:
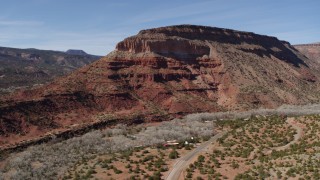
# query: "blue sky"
{"type": "Point", "coordinates": [97, 25]}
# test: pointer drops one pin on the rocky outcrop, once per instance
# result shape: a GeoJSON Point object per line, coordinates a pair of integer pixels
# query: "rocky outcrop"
{"type": "Point", "coordinates": [168, 72]}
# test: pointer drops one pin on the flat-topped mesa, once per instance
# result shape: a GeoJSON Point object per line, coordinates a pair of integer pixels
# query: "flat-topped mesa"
{"type": "Point", "coordinates": [178, 48]}
{"type": "Point", "coordinates": [173, 41]}
{"type": "Point", "coordinates": [313, 44]}
{"type": "Point", "coordinates": [312, 51]}
{"type": "Point", "coordinates": [165, 45]}
{"type": "Point", "coordinates": [188, 41]}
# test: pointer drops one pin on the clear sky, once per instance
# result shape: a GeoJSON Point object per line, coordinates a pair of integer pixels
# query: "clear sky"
{"type": "Point", "coordinates": [97, 25]}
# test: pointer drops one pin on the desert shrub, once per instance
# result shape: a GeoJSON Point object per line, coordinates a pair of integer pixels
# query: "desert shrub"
{"type": "Point", "coordinates": [117, 171]}
{"type": "Point", "coordinates": [156, 176]}
{"type": "Point", "coordinates": [201, 158]}
{"type": "Point", "coordinates": [173, 154]}
{"type": "Point", "coordinates": [234, 165]}
{"type": "Point", "coordinates": [189, 175]}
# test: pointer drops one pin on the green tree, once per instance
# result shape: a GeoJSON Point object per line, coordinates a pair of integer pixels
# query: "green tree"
{"type": "Point", "coordinates": [173, 154]}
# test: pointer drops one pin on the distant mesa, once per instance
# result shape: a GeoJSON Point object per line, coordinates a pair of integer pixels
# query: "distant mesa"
{"type": "Point", "coordinates": [311, 51]}
{"type": "Point", "coordinates": [309, 44]}
{"type": "Point", "coordinates": [76, 52]}
{"type": "Point", "coordinates": [24, 68]}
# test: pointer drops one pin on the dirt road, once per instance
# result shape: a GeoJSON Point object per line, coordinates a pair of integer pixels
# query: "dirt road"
{"type": "Point", "coordinates": [184, 161]}
{"type": "Point", "coordinates": [297, 136]}
{"type": "Point", "coordinates": [291, 121]}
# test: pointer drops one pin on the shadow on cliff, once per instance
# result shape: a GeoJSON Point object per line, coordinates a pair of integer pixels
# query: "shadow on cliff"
{"type": "Point", "coordinates": [284, 55]}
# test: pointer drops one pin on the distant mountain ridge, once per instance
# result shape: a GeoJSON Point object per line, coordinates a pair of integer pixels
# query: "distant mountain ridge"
{"type": "Point", "coordinates": [76, 52]}
{"type": "Point", "coordinates": [29, 67]}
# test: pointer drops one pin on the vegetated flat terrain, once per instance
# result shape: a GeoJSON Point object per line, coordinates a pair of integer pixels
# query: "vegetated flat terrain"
{"type": "Point", "coordinates": [137, 163]}
{"type": "Point", "coordinates": [254, 147]}
{"type": "Point", "coordinates": [262, 148]}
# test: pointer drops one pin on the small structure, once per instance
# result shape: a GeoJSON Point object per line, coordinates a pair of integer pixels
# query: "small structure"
{"type": "Point", "coordinates": [171, 143]}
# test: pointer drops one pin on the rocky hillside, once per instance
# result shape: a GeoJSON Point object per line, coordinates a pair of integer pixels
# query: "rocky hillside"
{"type": "Point", "coordinates": [29, 67]}
{"type": "Point", "coordinates": [312, 51]}
{"type": "Point", "coordinates": [163, 73]}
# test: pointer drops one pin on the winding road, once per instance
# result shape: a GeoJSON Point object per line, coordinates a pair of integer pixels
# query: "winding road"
{"type": "Point", "coordinates": [291, 121]}
{"type": "Point", "coordinates": [185, 160]}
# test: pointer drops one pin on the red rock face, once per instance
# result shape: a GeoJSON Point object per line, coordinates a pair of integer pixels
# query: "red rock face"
{"type": "Point", "coordinates": [166, 72]}
{"type": "Point", "coordinates": [178, 48]}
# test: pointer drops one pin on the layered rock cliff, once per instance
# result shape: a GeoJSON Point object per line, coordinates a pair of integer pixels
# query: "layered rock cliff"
{"type": "Point", "coordinates": [164, 72]}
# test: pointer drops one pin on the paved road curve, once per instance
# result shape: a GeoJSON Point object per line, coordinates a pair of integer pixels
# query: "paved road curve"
{"type": "Point", "coordinates": [184, 161]}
